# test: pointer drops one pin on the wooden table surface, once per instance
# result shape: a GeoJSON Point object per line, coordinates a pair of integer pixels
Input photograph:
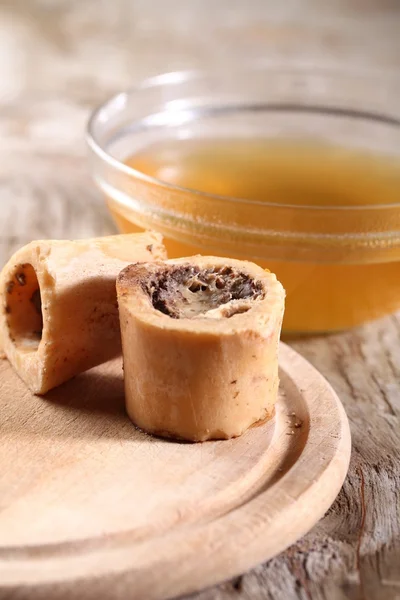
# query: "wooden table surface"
{"type": "Point", "coordinates": [57, 60]}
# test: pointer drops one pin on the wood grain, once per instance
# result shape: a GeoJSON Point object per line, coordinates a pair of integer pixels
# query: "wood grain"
{"type": "Point", "coordinates": [84, 495]}
{"type": "Point", "coordinates": [58, 59]}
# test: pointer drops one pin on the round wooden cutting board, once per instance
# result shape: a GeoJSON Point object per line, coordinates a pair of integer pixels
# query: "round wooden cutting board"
{"type": "Point", "coordinates": [93, 508]}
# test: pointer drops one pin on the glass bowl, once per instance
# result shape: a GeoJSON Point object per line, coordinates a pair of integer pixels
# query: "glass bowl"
{"type": "Point", "coordinates": [337, 249]}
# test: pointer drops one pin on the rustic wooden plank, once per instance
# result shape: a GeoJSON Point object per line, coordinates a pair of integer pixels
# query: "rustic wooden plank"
{"type": "Point", "coordinates": [53, 198]}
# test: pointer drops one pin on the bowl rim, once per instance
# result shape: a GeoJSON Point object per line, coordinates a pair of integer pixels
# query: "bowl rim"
{"type": "Point", "coordinates": [389, 77]}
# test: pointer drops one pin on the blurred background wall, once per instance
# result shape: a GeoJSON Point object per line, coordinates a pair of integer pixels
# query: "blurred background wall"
{"type": "Point", "coordinates": [86, 49]}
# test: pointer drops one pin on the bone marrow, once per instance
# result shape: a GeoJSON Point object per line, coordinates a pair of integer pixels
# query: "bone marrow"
{"type": "Point", "coordinates": [187, 291]}
{"type": "Point", "coordinates": [200, 345]}
{"type": "Point", "coordinates": [58, 304]}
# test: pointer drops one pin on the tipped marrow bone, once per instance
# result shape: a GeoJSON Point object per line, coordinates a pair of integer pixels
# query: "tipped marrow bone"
{"type": "Point", "coordinates": [200, 344]}
{"type": "Point", "coordinates": [58, 304]}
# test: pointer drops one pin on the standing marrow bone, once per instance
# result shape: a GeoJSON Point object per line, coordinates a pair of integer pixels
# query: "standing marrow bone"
{"type": "Point", "coordinates": [200, 344]}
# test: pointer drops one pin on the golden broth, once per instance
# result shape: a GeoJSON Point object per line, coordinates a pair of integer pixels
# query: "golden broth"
{"type": "Point", "coordinates": [320, 296]}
